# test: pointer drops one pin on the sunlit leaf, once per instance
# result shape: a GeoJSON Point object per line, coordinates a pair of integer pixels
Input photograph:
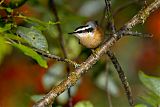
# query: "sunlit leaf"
{"type": "Point", "coordinates": [84, 104]}
{"type": "Point", "coordinates": [153, 83]}
{"type": "Point", "coordinates": [4, 48]}
{"type": "Point", "coordinates": [9, 10]}
{"type": "Point", "coordinates": [5, 28]}
{"type": "Point", "coordinates": [151, 99]}
{"type": "Point", "coordinates": [140, 105]}
{"type": "Point", "coordinates": [34, 37]}
{"type": "Point", "coordinates": [29, 52]}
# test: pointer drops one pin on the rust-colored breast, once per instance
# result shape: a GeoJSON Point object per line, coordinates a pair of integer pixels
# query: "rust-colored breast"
{"type": "Point", "coordinates": [93, 41]}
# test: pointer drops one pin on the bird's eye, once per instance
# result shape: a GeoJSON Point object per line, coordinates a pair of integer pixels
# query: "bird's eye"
{"type": "Point", "coordinates": [89, 29]}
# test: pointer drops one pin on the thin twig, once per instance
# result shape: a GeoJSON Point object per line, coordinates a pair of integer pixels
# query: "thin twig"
{"type": "Point", "coordinates": [122, 77]}
{"type": "Point", "coordinates": [138, 34]}
{"type": "Point", "coordinates": [132, 33]}
{"type": "Point", "coordinates": [52, 56]}
{"type": "Point", "coordinates": [60, 35]}
{"type": "Point", "coordinates": [61, 40]}
{"type": "Point", "coordinates": [113, 30]}
{"type": "Point", "coordinates": [110, 16]}
{"type": "Point", "coordinates": [107, 86]}
{"type": "Point", "coordinates": [49, 55]}
{"type": "Point", "coordinates": [91, 60]}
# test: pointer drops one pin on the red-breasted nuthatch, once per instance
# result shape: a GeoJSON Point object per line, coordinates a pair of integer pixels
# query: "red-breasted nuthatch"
{"type": "Point", "coordinates": [90, 35]}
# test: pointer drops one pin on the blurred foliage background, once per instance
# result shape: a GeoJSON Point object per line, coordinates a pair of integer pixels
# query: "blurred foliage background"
{"type": "Point", "coordinates": [24, 79]}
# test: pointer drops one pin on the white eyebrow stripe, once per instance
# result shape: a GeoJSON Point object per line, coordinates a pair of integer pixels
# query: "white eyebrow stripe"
{"type": "Point", "coordinates": [81, 35]}
{"type": "Point", "coordinates": [82, 29]}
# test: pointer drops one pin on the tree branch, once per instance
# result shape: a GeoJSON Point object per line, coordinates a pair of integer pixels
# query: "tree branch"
{"type": "Point", "coordinates": [114, 60]}
{"type": "Point", "coordinates": [75, 76]}
{"type": "Point", "coordinates": [122, 77]}
{"type": "Point", "coordinates": [107, 86]}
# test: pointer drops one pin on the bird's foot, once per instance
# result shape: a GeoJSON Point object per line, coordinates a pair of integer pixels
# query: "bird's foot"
{"type": "Point", "coordinates": [94, 52]}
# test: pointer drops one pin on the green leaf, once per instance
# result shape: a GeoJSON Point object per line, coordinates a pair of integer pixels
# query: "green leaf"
{"type": "Point", "coordinates": [34, 37]}
{"type": "Point", "coordinates": [29, 52]}
{"type": "Point", "coordinates": [5, 28]}
{"type": "Point", "coordinates": [151, 99]}
{"type": "Point", "coordinates": [140, 105]}
{"type": "Point", "coordinates": [152, 83]}
{"type": "Point", "coordinates": [13, 37]}
{"type": "Point", "coordinates": [4, 48]}
{"type": "Point", "coordinates": [42, 24]}
{"type": "Point", "coordinates": [9, 10]}
{"type": "Point", "coordinates": [84, 104]}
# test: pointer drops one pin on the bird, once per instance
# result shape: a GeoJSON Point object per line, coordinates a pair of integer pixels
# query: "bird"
{"type": "Point", "coordinates": [90, 35]}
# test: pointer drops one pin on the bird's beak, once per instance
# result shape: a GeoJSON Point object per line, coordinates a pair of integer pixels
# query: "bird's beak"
{"type": "Point", "coordinates": [71, 33]}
